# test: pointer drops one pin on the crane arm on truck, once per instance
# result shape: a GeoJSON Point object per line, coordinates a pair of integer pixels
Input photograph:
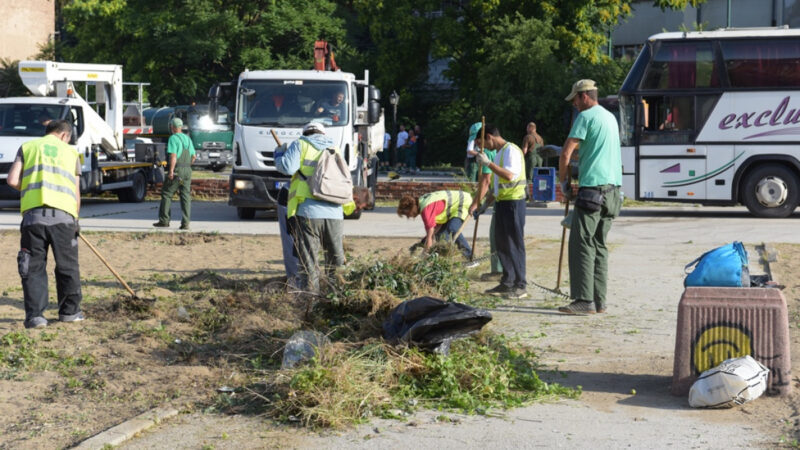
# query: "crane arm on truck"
{"type": "Point", "coordinates": [49, 78]}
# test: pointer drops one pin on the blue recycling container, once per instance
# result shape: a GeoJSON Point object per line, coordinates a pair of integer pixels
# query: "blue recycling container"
{"type": "Point", "coordinates": [543, 187]}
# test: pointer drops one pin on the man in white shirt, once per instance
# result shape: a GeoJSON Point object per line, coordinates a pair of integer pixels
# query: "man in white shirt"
{"type": "Point", "coordinates": [508, 170]}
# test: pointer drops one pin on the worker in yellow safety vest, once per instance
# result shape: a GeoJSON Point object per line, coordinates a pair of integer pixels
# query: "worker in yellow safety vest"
{"type": "Point", "coordinates": [442, 212]}
{"type": "Point", "coordinates": [508, 170]}
{"type": "Point", "coordinates": [47, 171]}
{"type": "Point", "coordinates": [315, 223]}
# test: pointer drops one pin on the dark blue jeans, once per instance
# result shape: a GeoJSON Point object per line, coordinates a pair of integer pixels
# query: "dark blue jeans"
{"type": "Point", "coordinates": [510, 241]}
{"type": "Point", "coordinates": [32, 265]}
{"type": "Point", "coordinates": [449, 230]}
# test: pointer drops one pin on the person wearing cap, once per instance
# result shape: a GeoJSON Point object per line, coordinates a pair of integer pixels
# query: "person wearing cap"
{"type": "Point", "coordinates": [180, 156]}
{"type": "Point", "coordinates": [508, 169]}
{"type": "Point", "coordinates": [317, 223]}
{"type": "Point", "coordinates": [595, 136]}
{"type": "Point", "coordinates": [484, 181]}
{"type": "Point", "coordinates": [470, 166]}
{"type": "Point", "coordinates": [47, 172]}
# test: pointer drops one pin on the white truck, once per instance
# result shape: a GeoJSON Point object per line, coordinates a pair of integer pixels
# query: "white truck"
{"type": "Point", "coordinates": [283, 101]}
{"type": "Point", "coordinates": [55, 97]}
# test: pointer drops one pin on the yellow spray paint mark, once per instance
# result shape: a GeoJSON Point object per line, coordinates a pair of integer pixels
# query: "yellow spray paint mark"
{"type": "Point", "coordinates": [718, 343]}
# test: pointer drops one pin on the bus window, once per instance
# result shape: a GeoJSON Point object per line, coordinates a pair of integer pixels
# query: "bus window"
{"type": "Point", "coordinates": [627, 109]}
{"type": "Point", "coordinates": [668, 119]}
{"type": "Point", "coordinates": [681, 65]}
{"type": "Point", "coordinates": [762, 63]}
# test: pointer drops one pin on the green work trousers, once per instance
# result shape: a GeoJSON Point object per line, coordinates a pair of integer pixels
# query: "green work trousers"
{"type": "Point", "coordinates": [311, 236]}
{"type": "Point", "coordinates": [182, 183]}
{"type": "Point", "coordinates": [472, 169]}
{"type": "Point", "coordinates": [588, 252]}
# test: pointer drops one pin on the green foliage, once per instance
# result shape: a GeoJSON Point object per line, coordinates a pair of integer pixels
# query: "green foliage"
{"type": "Point", "coordinates": [10, 82]}
{"type": "Point", "coordinates": [182, 47]}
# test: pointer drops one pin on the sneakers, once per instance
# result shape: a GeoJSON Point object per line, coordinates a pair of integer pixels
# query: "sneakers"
{"type": "Point", "coordinates": [491, 276]}
{"type": "Point", "coordinates": [36, 322]}
{"type": "Point", "coordinates": [471, 264]}
{"type": "Point", "coordinates": [77, 317]}
{"type": "Point", "coordinates": [600, 308]}
{"type": "Point", "coordinates": [578, 308]}
{"type": "Point", "coordinates": [185, 227]}
{"type": "Point", "coordinates": [161, 225]}
{"type": "Point", "coordinates": [517, 294]}
{"type": "Point", "coordinates": [499, 291]}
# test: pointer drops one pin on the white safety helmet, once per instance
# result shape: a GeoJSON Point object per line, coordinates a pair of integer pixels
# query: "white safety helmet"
{"type": "Point", "coordinates": [314, 126]}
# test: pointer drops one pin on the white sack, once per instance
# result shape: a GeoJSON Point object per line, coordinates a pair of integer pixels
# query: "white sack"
{"type": "Point", "coordinates": [735, 381]}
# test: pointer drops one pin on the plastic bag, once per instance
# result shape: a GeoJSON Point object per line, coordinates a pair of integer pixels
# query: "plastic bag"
{"type": "Point", "coordinates": [723, 266]}
{"type": "Point", "coordinates": [735, 381]}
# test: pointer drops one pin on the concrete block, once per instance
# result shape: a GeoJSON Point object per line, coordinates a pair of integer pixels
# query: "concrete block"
{"type": "Point", "coordinates": [717, 323]}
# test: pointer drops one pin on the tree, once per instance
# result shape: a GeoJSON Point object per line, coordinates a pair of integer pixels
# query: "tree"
{"type": "Point", "coordinates": [183, 46]}
{"type": "Point", "coordinates": [10, 83]}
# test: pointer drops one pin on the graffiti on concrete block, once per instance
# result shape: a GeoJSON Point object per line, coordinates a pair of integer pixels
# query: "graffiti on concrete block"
{"type": "Point", "coordinates": [717, 342]}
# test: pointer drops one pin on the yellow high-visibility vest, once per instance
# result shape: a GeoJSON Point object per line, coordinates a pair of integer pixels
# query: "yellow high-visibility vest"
{"type": "Point", "coordinates": [48, 175]}
{"type": "Point", "coordinates": [511, 189]}
{"type": "Point", "coordinates": [456, 204]}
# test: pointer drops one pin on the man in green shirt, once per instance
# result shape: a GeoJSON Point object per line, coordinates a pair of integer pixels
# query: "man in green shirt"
{"type": "Point", "coordinates": [180, 156]}
{"type": "Point", "coordinates": [598, 202]}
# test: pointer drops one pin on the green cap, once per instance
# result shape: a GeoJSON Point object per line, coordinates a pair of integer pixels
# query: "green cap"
{"type": "Point", "coordinates": [473, 131]}
{"type": "Point", "coordinates": [176, 123]}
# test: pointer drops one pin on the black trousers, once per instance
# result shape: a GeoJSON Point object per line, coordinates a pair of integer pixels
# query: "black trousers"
{"type": "Point", "coordinates": [510, 241]}
{"type": "Point", "coordinates": [32, 265]}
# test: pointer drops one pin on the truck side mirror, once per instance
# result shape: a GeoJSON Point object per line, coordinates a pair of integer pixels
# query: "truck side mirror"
{"type": "Point", "coordinates": [214, 95]}
{"type": "Point", "coordinates": [374, 112]}
{"type": "Point", "coordinates": [374, 93]}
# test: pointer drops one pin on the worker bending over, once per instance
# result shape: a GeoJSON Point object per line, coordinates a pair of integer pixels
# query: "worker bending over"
{"type": "Point", "coordinates": [443, 213]}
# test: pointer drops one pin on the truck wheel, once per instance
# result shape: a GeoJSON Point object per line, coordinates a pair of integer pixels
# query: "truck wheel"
{"type": "Point", "coordinates": [246, 213]}
{"type": "Point", "coordinates": [771, 191]}
{"type": "Point", "coordinates": [135, 193]}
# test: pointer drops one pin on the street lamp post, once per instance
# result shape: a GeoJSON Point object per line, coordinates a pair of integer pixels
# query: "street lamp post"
{"type": "Point", "coordinates": [394, 99]}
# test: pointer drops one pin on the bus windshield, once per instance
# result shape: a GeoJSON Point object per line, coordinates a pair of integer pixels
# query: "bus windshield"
{"type": "Point", "coordinates": [293, 103]}
{"type": "Point", "coordinates": [28, 119]}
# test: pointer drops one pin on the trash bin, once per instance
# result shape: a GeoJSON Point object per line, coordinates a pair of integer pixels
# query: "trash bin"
{"type": "Point", "coordinates": [543, 187]}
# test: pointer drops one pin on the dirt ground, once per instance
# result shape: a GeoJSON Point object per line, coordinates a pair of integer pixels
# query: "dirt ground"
{"type": "Point", "coordinates": [72, 381]}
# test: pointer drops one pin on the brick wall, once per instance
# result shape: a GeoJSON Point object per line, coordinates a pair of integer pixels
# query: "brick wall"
{"type": "Point", "coordinates": [387, 190]}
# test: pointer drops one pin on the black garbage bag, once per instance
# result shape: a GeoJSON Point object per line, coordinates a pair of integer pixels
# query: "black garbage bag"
{"type": "Point", "coordinates": [431, 324]}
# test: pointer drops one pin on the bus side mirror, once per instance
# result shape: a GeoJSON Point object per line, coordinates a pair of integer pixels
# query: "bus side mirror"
{"type": "Point", "coordinates": [214, 95]}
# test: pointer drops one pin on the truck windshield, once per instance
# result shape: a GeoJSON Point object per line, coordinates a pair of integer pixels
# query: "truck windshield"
{"type": "Point", "coordinates": [200, 120]}
{"type": "Point", "coordinates": [18, 119]}
{"type": "Point", "coordinates": [293, 103]}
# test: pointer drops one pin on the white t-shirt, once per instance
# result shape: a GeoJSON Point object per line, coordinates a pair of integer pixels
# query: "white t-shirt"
{"type": "Point", "coordinates": [402, 137]}
{"type": "Point", "coordinates": [512, 160]}
{"type": "Point", "coordinates": [387, 139]}
{"type": "Point", "coordinates": [470, 147]}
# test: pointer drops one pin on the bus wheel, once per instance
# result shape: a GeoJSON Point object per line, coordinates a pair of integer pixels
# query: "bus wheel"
{"type": "Point", "coordinates": [246, 213]}
{"type": "Point", "coordinates": [771, 191]}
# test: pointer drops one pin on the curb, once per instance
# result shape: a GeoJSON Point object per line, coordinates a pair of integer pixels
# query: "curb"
{"type": "Point", "coordinates": [118, 434]}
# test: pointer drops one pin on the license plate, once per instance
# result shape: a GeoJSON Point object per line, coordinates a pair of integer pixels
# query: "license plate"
{"type": "Point", "coordinates": [213, 155]}
{"type": "Point", "coordinates": [280, 184]}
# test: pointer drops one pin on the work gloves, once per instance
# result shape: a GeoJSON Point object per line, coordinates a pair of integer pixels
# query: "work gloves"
{"type": "Point", "coordinates": [566, 190]}
{"type": "Point", "coordinates": [482, 159]}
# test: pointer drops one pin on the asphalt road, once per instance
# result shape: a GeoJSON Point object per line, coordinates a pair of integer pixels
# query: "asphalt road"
{"type": "Point", "coordinates": [711, 225]}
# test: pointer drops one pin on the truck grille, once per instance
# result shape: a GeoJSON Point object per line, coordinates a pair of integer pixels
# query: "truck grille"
{"type": "Point", "coordinates": [213, 145]}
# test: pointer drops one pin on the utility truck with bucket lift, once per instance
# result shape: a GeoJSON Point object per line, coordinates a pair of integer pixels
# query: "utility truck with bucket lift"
{"type": "Point", "coordinates": [282, 101]}
{"type": "Point", "coordinates": [55, 97]}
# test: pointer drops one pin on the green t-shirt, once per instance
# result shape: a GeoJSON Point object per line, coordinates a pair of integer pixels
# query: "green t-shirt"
{"type": "Point", "coordinates": [599, 157]}
{"type": "Point", "coordinates": [177, 142]}
{"type": "Point", "coordinates": [490, 154]}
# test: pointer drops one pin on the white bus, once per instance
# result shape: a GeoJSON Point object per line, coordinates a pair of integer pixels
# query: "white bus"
{"type": "Point", "coordinates": [714, 118]}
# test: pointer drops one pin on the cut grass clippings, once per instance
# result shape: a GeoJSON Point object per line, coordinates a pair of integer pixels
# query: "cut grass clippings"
{"type": "Point", "coordinates": [359, 376]}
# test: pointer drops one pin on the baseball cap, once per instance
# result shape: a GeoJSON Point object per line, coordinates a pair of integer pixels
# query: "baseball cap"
{"type": "Point", "coordinates": [581, 86]}
{"type": "Point", "coordinates": [176, 122]}
{"type": "Point", "coordinates": [314, 126]}
{"type": "Point", "coordinates": [473, 131]}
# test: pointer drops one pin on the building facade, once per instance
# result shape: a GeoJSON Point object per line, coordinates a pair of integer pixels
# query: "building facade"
{"type": "Point", "coordinates": [24, 26]}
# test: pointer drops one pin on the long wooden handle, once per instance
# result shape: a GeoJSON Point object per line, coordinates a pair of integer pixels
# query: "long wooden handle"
{"type": "Point", "coordinates": [463, 224]}
{"type": "Point", "coordinates": [275, 136]}
{"type": "Point", "coordinates": [561, 253]}
{"type": "Point", "coordinates": [474, 238]}
{"type": "Point", "coordinates": [133, 294]}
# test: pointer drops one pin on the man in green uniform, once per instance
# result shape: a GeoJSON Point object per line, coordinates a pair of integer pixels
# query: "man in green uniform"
{"type": "Point", "coordinates": [47, 172]}
{"type": "Point", "coordinates": [180, 156]}
{"type": "Point", "coordinates": [484, 180]}
{"type": "Point", "coordinates": [598, 202]}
